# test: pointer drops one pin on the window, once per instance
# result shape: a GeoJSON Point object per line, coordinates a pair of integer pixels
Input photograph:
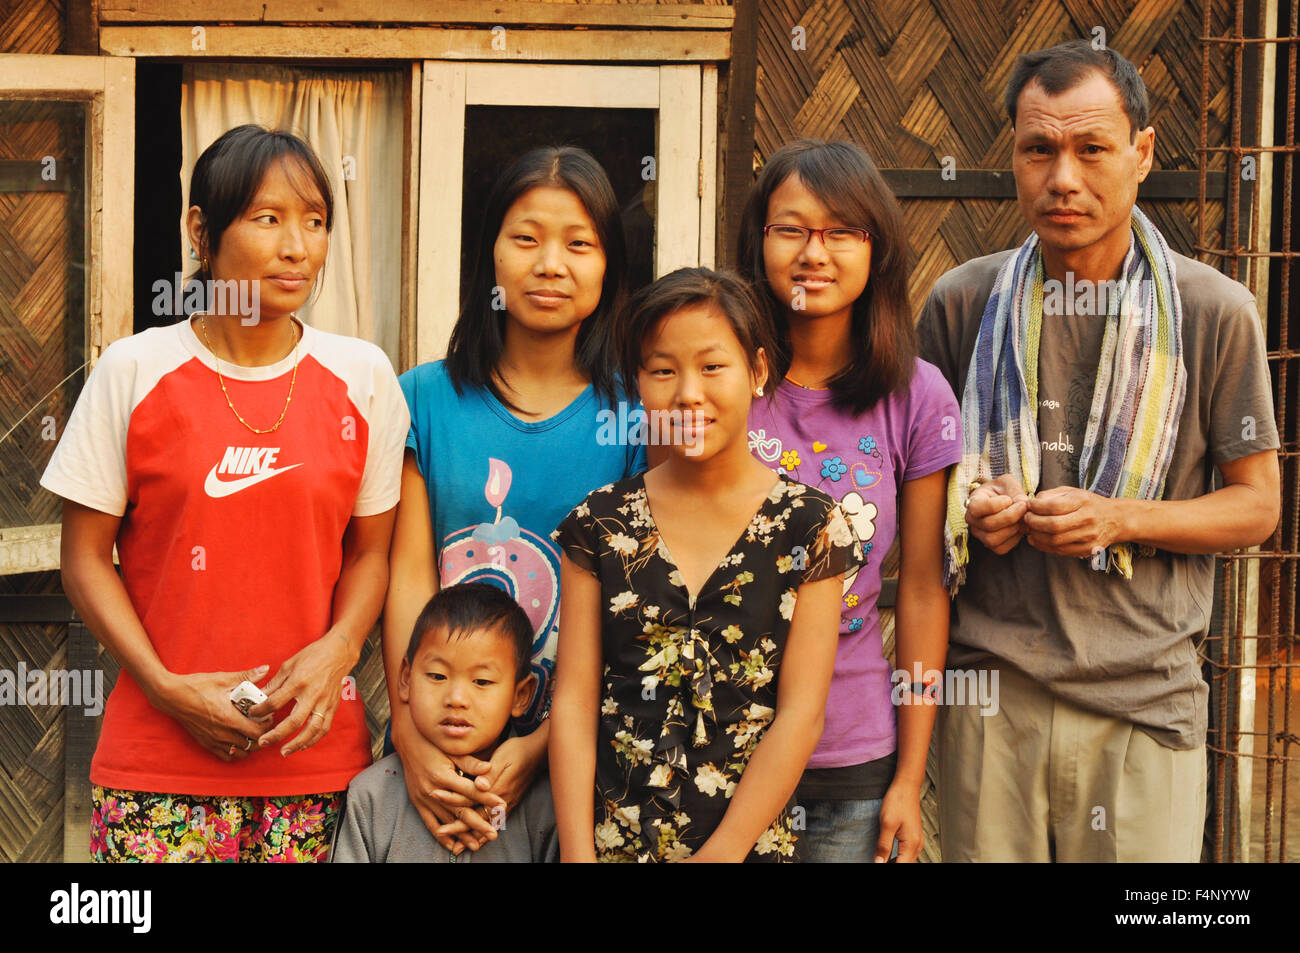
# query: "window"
{"type": "Point", "coordinates": [65, 268]}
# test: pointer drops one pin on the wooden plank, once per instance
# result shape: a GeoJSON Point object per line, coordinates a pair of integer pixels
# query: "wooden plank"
{"type": "Point", "coordinates": [644, 15]}
{"type": "Point", "coordinates": [412, 43]}
{"type": "Point", "coordinates": [115, 156]}
{"type": "Point", "coordinates": [677, 218]}
{"type": "Point", "coordinates": [410, 233]}
{"type": "Point", "coordinates": [442, 156]}
{"type": "Point", "coordinates": [29, 549]}
{"type": "Point", "coordinates": [1160, 185]}
{"type": "Point", "coordinates": [708, 188]}
{"type": "Point", "coordinates": [65, 77]}
{"type": "Point", "coordinates": [80, 734]}
{"type": "Point", "coordinates": [738, 174]}
{"type": "Point", "coordinates": [36, 607]}
{"type": "Point", "coordinates": [598, 87]}
{"type": "Point", "coordinates": [81, 28]}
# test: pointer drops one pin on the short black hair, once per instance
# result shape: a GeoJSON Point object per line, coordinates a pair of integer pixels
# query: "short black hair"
{"type": "Point", "coordinates": [1066, 65]}
{"type": "Point", "coordinates": [478, 339]}
{"type": "Point", "coordinates": [684, 288]}
{"type": "Point", "coordinates": [227, 174]}
{"type": "Point", "coordinates": [471, 606]}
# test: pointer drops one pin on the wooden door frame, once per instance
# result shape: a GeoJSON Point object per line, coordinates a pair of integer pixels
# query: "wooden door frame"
{"type": "Point", "coordinates": [685, 97]}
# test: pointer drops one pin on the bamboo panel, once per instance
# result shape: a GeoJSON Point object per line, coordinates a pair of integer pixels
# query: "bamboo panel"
{"type": "Point", "coordinates": [39, 250]}
{"type": "Point", "coordinates": [31, 26]}
{"type": "Point", "coordinates": [31, 738]}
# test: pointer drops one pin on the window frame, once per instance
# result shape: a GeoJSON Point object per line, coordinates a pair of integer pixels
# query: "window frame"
{"type": "Point", "coordinates": [107, 84]}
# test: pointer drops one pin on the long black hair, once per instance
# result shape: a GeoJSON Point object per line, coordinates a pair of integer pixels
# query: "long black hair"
{"type": "Point", "coordinates": [478, 339]}
{"type": "Point", "coordinates": [227, 174]}
{"type": "Point", "coordinates": [882, 337]}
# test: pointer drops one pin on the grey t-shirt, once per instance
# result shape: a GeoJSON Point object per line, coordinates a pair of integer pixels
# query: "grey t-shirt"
{"type": "Point", "coordinates": [1124, 648]}
{"type": "Point", "coordinates": [381, 826]}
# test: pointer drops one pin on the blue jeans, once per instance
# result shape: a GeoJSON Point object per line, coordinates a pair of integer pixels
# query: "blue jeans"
{"type": "Point", "coordinates": [841, 832]}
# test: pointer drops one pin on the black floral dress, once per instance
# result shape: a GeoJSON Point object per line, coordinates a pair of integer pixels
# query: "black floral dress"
{"type": "Point", "coordinates": [689, 687]}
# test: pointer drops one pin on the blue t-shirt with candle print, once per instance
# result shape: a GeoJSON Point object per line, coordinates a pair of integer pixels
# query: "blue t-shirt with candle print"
{"type": "Point", "coordinates": [499, 485]}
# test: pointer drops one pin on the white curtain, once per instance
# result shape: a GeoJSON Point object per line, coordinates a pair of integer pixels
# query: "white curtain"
{"type": "Point", "coordinates": [354, 122]}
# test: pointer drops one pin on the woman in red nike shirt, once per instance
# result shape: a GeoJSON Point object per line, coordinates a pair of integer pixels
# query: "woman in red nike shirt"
{"type": "Point", "coordinates": [246, 466]}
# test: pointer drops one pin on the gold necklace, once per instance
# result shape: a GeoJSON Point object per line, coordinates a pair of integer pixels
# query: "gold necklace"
{"type": "Point", "coordinates": [203, 323]}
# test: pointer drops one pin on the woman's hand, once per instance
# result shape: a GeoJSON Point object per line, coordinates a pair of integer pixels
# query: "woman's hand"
{"type": "Point", "coordinates": [313, 680]}
{"type": "Point", "coordinates": [900, 817]}
{"type": "Point", "coordinates": [430, 777]}
{"type": "Point", "coordinates": [201, 703]}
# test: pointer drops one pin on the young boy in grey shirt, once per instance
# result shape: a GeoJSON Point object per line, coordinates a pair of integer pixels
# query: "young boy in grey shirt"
{"type": "Point", "coordinates": [466, 672]}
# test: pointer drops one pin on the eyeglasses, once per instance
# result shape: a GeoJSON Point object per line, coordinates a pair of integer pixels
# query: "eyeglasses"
{"type": "Point", "coordinates": [840, 238]}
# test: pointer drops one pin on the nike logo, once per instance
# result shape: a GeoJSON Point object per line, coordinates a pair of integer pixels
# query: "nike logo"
{"type": "Point", "coordinates": [217, 488]}
{"type": "Point", "coordinates": [254, 461]}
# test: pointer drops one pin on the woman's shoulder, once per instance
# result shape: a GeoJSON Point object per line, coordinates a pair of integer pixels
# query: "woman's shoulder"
{"type": "Point", "coordinates": [140, 360]}
{"type": "Point", "coordinates": [344, 348]}
{"type": "Point", "coordinates": [429, 381]}
{"type": "Point", "coordinates": [928, 383]}
{"type": "Point", "coordinates": [801, 495]}
{"type": "Point", "coordinates": [613, 495]}
{"type": "Point", "coordinates": [144, 345]}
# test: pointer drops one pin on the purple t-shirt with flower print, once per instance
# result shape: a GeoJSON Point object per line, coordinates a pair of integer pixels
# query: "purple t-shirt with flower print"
{"type": "Point", "coordinates": [860, 462]}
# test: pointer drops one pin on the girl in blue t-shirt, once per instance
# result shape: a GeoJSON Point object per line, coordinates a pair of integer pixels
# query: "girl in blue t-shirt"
{"type": "Point", "coordinates": [857, 415]}
{"type": "Point", "coordinates": [512, 430]}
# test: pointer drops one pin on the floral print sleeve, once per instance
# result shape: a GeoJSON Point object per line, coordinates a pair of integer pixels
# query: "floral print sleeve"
{"type": "Point", "coordinates": [576, 533]}
{"type": "Point", "coordinates": [689, 686]}
{"type": "Point", "coordinates": [832, 548]}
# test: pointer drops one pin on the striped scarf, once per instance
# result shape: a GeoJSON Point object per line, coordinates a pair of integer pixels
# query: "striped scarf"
{"type": "Point", "coordinates": [1136, 401]}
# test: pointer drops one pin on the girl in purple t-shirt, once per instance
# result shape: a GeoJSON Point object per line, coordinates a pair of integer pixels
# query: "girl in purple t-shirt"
{"type": "Point", "coordinates": [860, 417]}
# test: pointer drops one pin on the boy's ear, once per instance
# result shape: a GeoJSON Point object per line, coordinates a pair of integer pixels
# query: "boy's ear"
{"type": "Point", "coordinates": [523, 695]}
{"type": "Point", "coordinates": [404, 682]}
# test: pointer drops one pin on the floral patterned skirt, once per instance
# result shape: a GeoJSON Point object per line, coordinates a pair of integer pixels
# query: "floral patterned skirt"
{"type": "Point", "coordinates": [142, 827]}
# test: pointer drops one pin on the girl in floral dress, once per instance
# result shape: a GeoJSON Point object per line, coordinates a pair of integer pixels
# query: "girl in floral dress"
{"type": "Point", "coordinates": [700, 606]}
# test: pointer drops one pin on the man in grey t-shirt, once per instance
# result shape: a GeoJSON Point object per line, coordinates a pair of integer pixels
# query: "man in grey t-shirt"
{"type": "Point", "coordinates": [1097, 749]}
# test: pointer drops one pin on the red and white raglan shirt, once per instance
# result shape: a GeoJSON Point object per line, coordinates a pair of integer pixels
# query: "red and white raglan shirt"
{"type": "Point", "coordinates": [231, 542]}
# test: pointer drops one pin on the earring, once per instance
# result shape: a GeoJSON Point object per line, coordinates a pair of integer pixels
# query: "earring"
{"type": "Point", "coordinates": [204, 263]}
{"type": "Point", "coordinates": [193, 254]}
{"type": "Point", "coordinates": [758, 391]}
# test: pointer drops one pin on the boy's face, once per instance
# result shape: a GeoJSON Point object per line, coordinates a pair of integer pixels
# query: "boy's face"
{"type": "Point", "coordinates": [463, 691]}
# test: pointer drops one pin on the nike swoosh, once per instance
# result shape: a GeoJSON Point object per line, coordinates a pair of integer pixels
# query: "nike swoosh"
{"type": "Point", "coordinates": [218, 488]}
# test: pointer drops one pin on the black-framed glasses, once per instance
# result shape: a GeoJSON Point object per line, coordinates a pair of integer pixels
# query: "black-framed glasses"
{"type": "Point", "coordinates": [838, 238]}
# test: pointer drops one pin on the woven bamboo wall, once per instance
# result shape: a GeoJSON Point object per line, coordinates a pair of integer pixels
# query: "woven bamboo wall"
{"type": "Point", "coordinates": [41, 249]}
{"type": "Point", "coordinates": [31, 26]}
{"type": "Point", "coordinates": [913, 82]}
{"type": "Point", "coordinates": [34, 251]}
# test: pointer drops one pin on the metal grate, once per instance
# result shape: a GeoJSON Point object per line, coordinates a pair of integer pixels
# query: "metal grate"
{"type": "Point", "coordinates": [1250, 654]}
